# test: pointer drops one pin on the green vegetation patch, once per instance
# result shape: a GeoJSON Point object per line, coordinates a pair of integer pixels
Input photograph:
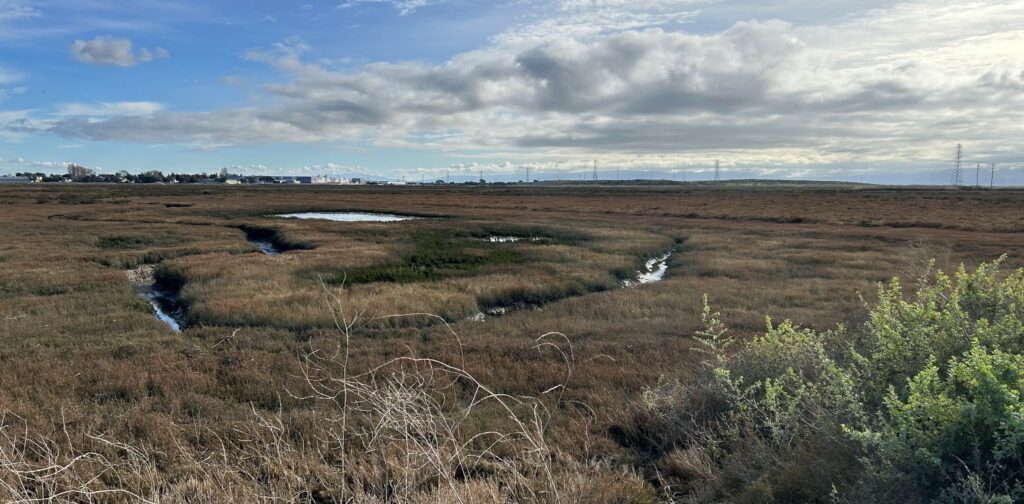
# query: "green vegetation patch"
{"type": "Point", "coordinates": [432, 256]}
{"type": "Point", "coordinates": [534, 234]}
{"type": "Point", "coordinates": [127, 242]}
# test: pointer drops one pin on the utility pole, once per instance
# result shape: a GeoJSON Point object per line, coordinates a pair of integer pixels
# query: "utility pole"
{"type": "Point", "coordinates": [527, 174]}
{"type": "Point", "coordinates": [957, 175]}
{"type": "Point", "coordinates": [449, 176]}
{"type": "Point", "coordinates": [977, 176]}
{"type": "Point", "coordinates": [481, 176]}
{"type": "Point", "coordinates": [992, 177]}
{"type": "Point", "coordinates": [717, 173]}
{"type": "Point", "coordinates": [595, 169]}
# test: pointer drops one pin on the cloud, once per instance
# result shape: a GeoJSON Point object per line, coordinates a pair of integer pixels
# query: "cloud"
{"type": "Point", "coordinates": [7, 93]}
{"type": "Point", "coordinates": [625, 81]}
{"type": "Point", "coordinates": [404, 7]}
{"type": "Point", "coordinates": [12, 9]}
{"type": "Point", "coordinates": [8, 76]}
{"type": "Point", "coordinates": [104, 50]}
{"type": "Point", "coordinates": [107, 109]}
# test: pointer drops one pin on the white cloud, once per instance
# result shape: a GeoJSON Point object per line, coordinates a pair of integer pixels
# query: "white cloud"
{"type": "Point", "coordinates": [105, 50]}
{"type": "Point", "coordinates": [8, 76]}
{"type": "Point", "coordinates": [13, 9]}
{"type": "Point", "coordinates": [7, 93]}
{"type": "Point", "coordinates": [107, 109]}
{"type": "Point", "coordinates": [624, 81]}
{"type": "Point", "coordinates": [404, 7]}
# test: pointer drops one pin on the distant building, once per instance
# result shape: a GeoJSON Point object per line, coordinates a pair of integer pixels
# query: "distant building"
{"type": "Point", "coordinates": [233, 180]}
{"type": "Point", "coordinates": [9, 179]}
{"type": "Point", "coordinates": [304, 180]}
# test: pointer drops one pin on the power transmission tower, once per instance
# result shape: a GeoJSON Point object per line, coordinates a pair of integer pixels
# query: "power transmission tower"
{"type": "Point", "coordinates": [449, 176]}
{"type": "Point", "coordinates": [957, 175]}
{"type": "Point", "coordinates": [527, 174]}
{"type": "Point", "coordinates": [992, 177]}
{"type": "Point", "coordinates": [717, 172]}
{"type": "Point", "coordinates": [977, 176]}
{"type": "Point", "coordinates": [595, 169]}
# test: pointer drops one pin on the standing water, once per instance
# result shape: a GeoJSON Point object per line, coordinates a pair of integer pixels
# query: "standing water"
{"type": "Point", "coordinates": [165, 307]}
{"type": "Point", "coordinates": [653, 271]}
{"type": "Point", "coordinates": [266, 246]}
{"type": "Point", "coordinates": [511, 239]}
{"type": "Point", "coordinates": [349, 216]}
{"type": "Point", "coordinates": [156, 299]}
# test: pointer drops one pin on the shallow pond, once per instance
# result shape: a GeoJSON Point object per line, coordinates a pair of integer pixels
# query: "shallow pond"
{"type": "Point", "coordinates": [349, 216]}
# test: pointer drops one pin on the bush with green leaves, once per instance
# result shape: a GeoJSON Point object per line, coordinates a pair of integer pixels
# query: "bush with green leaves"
{"type": "Point", "coordinates": [923, 402]}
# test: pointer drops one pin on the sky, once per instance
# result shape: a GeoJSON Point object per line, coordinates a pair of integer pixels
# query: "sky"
{"type": "Point", "coordinates": [859, 90]}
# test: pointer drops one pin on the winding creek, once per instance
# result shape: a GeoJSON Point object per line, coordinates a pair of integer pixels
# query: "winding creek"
{"type": "Point", "coordinates": [158, 300]}
{"type": "Point", "coordinates": [168, 308]}
{"type": "Point", "coordinates": [165, 304]}
{"type": "Point", "coordinates": [653, 271]}
{"type": "Point", "coordinates": [266, 246]}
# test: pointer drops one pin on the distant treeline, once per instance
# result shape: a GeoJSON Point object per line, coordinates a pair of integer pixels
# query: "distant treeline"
{"type": "Point", "coordinates": [150, 177]}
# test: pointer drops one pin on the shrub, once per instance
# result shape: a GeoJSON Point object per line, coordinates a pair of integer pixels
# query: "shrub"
{"type": "Point", "coordinates": [924, 402]}
{"type": "Point", "coordinates": [957, 431]}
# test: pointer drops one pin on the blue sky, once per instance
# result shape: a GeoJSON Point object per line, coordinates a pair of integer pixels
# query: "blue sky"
{"type": "Point", "coordinates": [837, 89]}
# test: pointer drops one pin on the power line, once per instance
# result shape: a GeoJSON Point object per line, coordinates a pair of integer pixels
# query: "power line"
{"type": "Point", "coordinates": [957, 175]}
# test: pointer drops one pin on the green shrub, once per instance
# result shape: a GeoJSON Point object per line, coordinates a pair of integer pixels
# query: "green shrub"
{"type": "Point", "coordinates": [956, 430]}
{"type": "Point", "coordinates": [923, 402]}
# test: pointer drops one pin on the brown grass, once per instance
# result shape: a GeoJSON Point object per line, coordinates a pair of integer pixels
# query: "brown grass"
{"type": "Point", "coordinates": [79, 350]}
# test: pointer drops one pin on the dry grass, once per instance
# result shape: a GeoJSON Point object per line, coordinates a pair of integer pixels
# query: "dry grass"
{"type": "Point", "coordinates": [80, 350]}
